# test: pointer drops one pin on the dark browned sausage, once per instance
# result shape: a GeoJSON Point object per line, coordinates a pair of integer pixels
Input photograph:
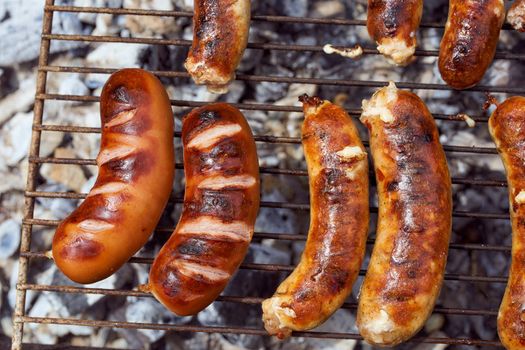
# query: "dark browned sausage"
{"type": "Point", "coordinates": [220, 35]}
{"type": "Point", "coordinates": [220, 206]}
{"type": "Point", "coordinates": [134, 181]}
{"type": "Point", "coordinates": [469, 43]}
{"type": "Point", "coordinates": [516, 15]}
{"type": "Point", "coordinates": [393, 24]}
{"type": "Point", "coordinates": [507, 127]}
{"type": "Point", "coordinates": [338, 171]}
{"type": "Point", "coordinates": [407, 266]}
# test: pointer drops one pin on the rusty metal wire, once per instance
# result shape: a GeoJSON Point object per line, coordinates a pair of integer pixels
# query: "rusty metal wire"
{"type": "Point", "coordinates": [32, 194]}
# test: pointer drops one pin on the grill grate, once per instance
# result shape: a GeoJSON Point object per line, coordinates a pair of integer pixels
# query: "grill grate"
{"type": "Point", "coordinates": [31, 194]}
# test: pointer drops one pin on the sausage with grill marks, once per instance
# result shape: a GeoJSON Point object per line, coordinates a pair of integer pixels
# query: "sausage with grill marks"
{"type": "Point", "coordinates": [507, 127]}
{"type": "Point", "coordinates": [393, 24]}
{"type": "Point", "coordinates": [407, 265]}
{"type": "Point", "coordinates": [133, 184]}
{"type": "Point", "coordinates": [221, 202]}
{"type": "Point", "coordinates": [470, 40]}
{"type": "Point", "coordinates": [338, 171]}
{"type": "Point", "coordinates": [220, 36]}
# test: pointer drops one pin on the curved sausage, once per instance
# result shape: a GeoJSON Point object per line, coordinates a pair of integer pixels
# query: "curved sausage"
{"type": "Point", "coordinates": [220, 35]}
{"type": "Point", "coordinates": [516, 15]}
{"type": "Point", "coordinates": [393, 24]}
{"type": "Point", "coordinates": [507, 127]}
{"type": "Point", "coordinates": [135, 177]}
{"type": "Point", "coordinates": [470, 40]}
{"type": "Point", "coordinates": [338, 170]}
{"type": "Point", "coordinates": [407, 265]}
{"type": "Point", "coordinates": [220, 206]}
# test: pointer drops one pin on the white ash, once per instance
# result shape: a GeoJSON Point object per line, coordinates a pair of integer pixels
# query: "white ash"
{"type": "Point", "coordinates": [9, 238]}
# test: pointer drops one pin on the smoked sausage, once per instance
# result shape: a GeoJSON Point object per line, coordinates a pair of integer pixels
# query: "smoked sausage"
{"type": "Point", "coordinates": [136, 167]}
{"type": "Point", "coordinates": [221, 203]}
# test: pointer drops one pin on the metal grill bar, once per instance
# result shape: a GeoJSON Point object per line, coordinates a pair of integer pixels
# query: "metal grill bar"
{"type": "Point", "coordinates": [289, 268]}
{"type": "Point", "coordinates": [35, 161]}
{"type": "Point", "coordinates": [263, 18]}
{"type": "Point", "coordinates": [278, 205]}
{"type": "Point", "coordinates": [293, 237]}
{"type": "Point", "coordinates": [276, 79]}
{"type": "Point", "coordinates": [29, 205]}
{"type": "Point", "coordinates": [240, 330]}
{"type": "Point", "coordinates": [258, 46]}
{"type": "Point", "coordinates": [232, 299]}
{"type": "Point", "coordinates": [263, 170]}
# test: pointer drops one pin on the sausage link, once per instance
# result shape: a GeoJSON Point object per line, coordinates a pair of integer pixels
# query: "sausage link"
{"type": "Point", "coordinates": [407, 266]}
{"type": "Point", "coordinates": [135, 176]}
{"type": "Point", "coordinates": [220, 36]}
{"type": "Point", "coordinates": [221, 202]}
{"type": "Point", "coordinates": [470, 40]}
{"type": "Point", "coordinates": [507, 127]}
{"type": "Point", "coordinates": [393, 24]}
{"type": "Point", "coordinates": [516, 15]}
{"type": "Point", "coordinates": [338, 170]}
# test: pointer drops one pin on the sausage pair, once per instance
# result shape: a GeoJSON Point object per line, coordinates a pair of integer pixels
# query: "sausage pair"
{"type": "Point", "coordinates": [415, 214]}
{"type": "Point", "coordinates": [136, 168]}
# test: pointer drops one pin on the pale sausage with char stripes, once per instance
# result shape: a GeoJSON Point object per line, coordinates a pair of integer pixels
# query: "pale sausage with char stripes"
{"type": "Point", "coordinates": [221, 203]}
{"type": "Point", "coordinates": [136, 167]}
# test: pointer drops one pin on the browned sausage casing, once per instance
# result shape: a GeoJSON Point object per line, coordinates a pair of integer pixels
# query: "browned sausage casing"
{"type": "Point", "coordinates": [220, 35]}
{"type": "Point", "coordinates": [338, 171]}
{"type": "Point", "coordinates": [507, 127]}
{"type": "Point", "coordinates": [220, 206]}
{"type": "Point", "coordinates": [516, 15]}
{"type": "Point", "coordinates": [393, 24]}
{"type": "Point", "coordinates": [133, 184]}
{"type": "Point", "coordinates": [407, 265]}
{"type": "Point", "coordinates": [470, 40]}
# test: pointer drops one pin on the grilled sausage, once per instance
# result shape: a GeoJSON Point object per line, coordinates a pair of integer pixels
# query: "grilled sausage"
{"type": "Point", "coordinates": [220, 35]}
{"type": "Point", "coordinates": [392, 24]}
{"type": "Point", "coordinates": [507, 127]}
{"type": "Point", "coordinates": [220, 206]}
{"type": "Point", "coordinates": [407, 266]}
{"type": "Point", "coordinates": [134, 180]}
{"type": "Point", "coordinates": [469, 43]}
{"type": "Point", "coordinates": [338, 170]}
{"type": "Point", "coordinates": [516, 15]}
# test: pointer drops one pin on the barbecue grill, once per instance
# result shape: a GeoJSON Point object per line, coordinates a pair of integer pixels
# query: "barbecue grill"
{"type": "Point", "coordinates": [35, 161]}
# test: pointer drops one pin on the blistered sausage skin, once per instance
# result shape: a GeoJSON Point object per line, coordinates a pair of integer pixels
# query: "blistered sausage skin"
{"type": "Point", "coordinates": [470, 40]}
{"type": "Point", "coordinates": [221, 203]}
{"type": "Point", "coordinates": [135, 177]}
{"type": "Point", "coordinates": [338, 174]}
{"type": "Point", "coordinates": [393, 24]}
{"type": "Point", "coordinates": [220, 36]}
{"type": "Point", "coordinates": [516, 15]}
{"type": "Point", "coordinates": [507, 127]}
{"type": "Point", "coordinates": [407, 265]}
